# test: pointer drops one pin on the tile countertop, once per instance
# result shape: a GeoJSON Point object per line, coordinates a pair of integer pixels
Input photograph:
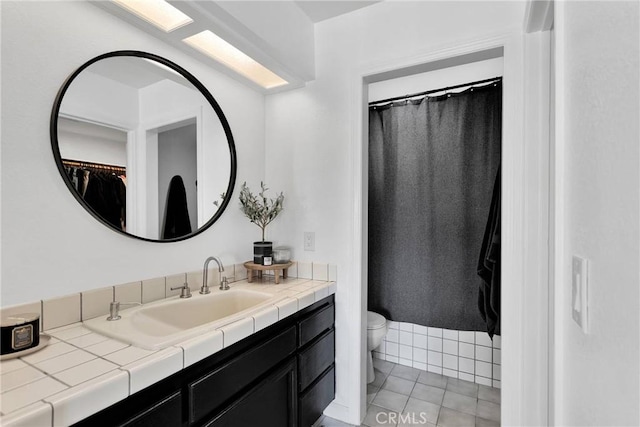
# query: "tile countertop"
{"type": "Point", "coordinates": [82, 372]}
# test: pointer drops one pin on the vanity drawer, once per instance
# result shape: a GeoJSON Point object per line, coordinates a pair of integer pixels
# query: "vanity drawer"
{"type": "Point", "coordinates": [315, 324]}
{"type": "Point", "coordinates": [316, 359]}
{"type": "Point", "coordinates": [166, 412]}
{"type": "Point", "coordinates": [211, 391]}
{"type": "Point", "coordinates": [317, 398]}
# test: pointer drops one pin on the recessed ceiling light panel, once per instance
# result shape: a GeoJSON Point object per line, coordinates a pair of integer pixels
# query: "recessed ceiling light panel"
{"type": "Point", "coordinates": [212, 45]}
{"type": "Point", "coordinates": [157, 12]}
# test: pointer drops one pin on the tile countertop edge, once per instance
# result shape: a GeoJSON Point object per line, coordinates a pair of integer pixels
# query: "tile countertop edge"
{"type": "Point", "coordinates": [75, 403]}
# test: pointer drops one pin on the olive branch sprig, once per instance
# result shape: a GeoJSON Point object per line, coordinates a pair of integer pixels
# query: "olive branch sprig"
{"type": "Point", "coordinates": [259, 209]}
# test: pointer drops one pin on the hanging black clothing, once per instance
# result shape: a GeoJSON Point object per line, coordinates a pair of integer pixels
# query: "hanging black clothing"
{"type": "Point", "coordinates": [176, 218]}
{"type": "Point", "coordinates": [489, 266]}
{"type": "Point", "coordinates": [106, 194]}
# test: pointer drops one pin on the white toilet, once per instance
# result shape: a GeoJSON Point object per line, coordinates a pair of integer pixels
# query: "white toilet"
{"type": "Point", "coordinates": [376, 330]}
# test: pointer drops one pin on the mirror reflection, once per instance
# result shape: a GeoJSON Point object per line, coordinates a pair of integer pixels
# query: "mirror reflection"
{"type": "Point", "coordinates": [142, 148]}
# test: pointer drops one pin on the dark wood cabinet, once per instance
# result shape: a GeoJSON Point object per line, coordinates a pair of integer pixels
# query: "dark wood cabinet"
{"type": "Point", "coordinates": [282, 376]}
{"type": "Point", "coordinates": [270, 403]}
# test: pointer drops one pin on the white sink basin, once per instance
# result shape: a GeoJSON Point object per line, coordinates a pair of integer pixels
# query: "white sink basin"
{"type": "Point", "coordinates": [161, 324]}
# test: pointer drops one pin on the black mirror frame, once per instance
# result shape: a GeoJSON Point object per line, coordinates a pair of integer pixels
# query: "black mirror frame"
{"type": "Point", "coordinates": [53, 130]}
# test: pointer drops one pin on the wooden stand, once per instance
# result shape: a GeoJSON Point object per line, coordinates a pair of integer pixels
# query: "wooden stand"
{"type": "Point", "coordinates": [258, 269]}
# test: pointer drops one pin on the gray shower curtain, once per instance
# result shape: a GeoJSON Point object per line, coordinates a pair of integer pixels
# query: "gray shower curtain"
{"type": "Point", "coordinates": [432, 166]}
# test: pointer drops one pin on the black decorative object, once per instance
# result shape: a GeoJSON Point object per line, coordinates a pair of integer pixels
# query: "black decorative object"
{"type": "Point", "coordinates": [262, 250]}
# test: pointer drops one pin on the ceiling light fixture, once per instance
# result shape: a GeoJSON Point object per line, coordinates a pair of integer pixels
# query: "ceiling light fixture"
{"type": "Point", "coordinates": [157, 12]}
{"type": "Point", "coordinates": [212, 45]}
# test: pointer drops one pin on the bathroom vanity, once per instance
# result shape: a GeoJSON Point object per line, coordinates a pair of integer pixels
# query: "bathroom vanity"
{"type": "Point", "coordinates": [281, 376]}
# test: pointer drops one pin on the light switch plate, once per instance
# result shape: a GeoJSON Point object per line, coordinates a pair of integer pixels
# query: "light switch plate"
{"type": "Point", "coordinates": [580, 292]}
{"type": "Point", "coordinates": [309, 241]}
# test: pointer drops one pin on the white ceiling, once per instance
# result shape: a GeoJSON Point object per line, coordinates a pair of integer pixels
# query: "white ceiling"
{"type": "Point", "coordinates": [278, 34]}
{"type": "Point", "coordinates": [319, 10]}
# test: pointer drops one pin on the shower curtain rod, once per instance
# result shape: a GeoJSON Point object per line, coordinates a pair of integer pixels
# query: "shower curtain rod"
{"type": "Point", "coordinates": [445, 89]}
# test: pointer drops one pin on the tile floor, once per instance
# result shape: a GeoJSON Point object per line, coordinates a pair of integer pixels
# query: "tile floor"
{"type": "Point", "coordinates": [402, 396]}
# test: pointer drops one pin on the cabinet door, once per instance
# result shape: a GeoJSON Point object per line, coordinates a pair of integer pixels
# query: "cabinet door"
{"type": "Point", "coordinates": [271, 403]}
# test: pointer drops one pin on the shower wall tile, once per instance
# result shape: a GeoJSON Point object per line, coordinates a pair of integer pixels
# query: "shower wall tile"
{"type": "Point", "coordinates": [420, 365]}
{"type": "Point", "coordinates": [406, 338]}
{"type": "Point", "coordinates": [403, 326]}
{"type": "Point", "coordinates": [421, 330]}
{"type": "Point", "coordinates": [497, 341]}
{"type": "Point", "coordinates": [467, 336]}
{"type": "Point", "coordinates": [482, 338]}
{"type": "Point", "coordinates": [483, 353]}
{"type": "Point", "coordinates": [450, 334]}
{"type": "Point", "coordinates": [450, 347]}
{"type": "Point", "coordinates": [465, 365]}
{"type": "Point", "coordinates": [434, 358]}
{"type": "Point", "coordinates": [393, 359]}
{"type": "Point", "coordinates": [483, 369]}
{"type": "Point", "coordinates": [434, 369]}
{"type": "Point", "coordinates": [496, 384]}
{"type": "Point", "coordinates": [496, 372]}
{"type": "Point", "coordinates": [435, 344]}
{"type": "Point", "coordinates": [406, 352]}
{"type": "Point", "coordinates": [419, 341]}
{"type": "Point", "coordinates": [450, 362]}
{"type": "Point", "coordinates": [466, 377]}
{"type": "Point", "coordinates": [466, 350]}
{"type": "Point", "coordinates": [419, 355]}
{"type": "Point", "coordinates": [393, 349]}
{"type": "Point", "coordinates": [483, 381]}
{"type": "Point", "coordinates": [406, 362]}
{"type": "Point", "coordinates": [435, 332]}
{"type": "Point", "coordinates": [453, 373]}
{"type": "Point", "coordinates": [497, 356]}
{"type": "Point", "coordinates": [466, 355]}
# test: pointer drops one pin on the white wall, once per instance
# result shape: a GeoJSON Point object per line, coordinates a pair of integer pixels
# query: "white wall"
{"type": "Point", "coordinates": [309, 137]}
{"type": "Point", "coordinates": [598, 102]}
{"type": "Point", "coordinates": [48, 239]}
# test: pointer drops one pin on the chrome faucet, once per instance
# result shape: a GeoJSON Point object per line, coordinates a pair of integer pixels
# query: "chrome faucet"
{"type": "Point", "coordinates": [185, 292]}
{"type": "Point", "coordinates": [205, 285]}
{"type": "Point", "coordinates": [114, 309]}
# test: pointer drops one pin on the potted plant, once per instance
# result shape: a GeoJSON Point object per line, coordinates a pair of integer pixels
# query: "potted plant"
{"type": "Point", "coordinates": [261, 211]}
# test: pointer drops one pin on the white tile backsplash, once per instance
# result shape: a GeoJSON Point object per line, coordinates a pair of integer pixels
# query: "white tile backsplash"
{"type": "Point", "coordinates": [128, 292]}
{"type": "Point", "coordinates": [153, 290]}
{"type": "Point", "coordinates": [61, 311]}
{"type": "Point", "coordinates": [320, 271]}
{"type": "Point", "coordinates": [96, 302]}
{"type": "Point", "coordinates": [457, 354]}
{"type": "Point", "coordinates": [81, 372]}
{"type": "Point", "coordinates": [305, 270]}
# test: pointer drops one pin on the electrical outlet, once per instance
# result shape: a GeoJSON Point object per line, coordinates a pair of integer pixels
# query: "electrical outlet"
{"type": "Point", "coordinates": [309, 241]}
{"type": "Point", "coordinates": [580, 292]}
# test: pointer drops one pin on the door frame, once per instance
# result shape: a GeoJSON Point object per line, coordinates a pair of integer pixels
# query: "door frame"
{"type": "Point", "coordinates": [525, 219]}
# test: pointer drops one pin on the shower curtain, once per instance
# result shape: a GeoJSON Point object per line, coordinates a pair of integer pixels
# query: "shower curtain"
{"type": "Point", "coordinates": [432, 166]}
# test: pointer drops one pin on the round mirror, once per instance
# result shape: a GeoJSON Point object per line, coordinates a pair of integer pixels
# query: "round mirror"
{"type": "Point", "coordinates": [143, 146]}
